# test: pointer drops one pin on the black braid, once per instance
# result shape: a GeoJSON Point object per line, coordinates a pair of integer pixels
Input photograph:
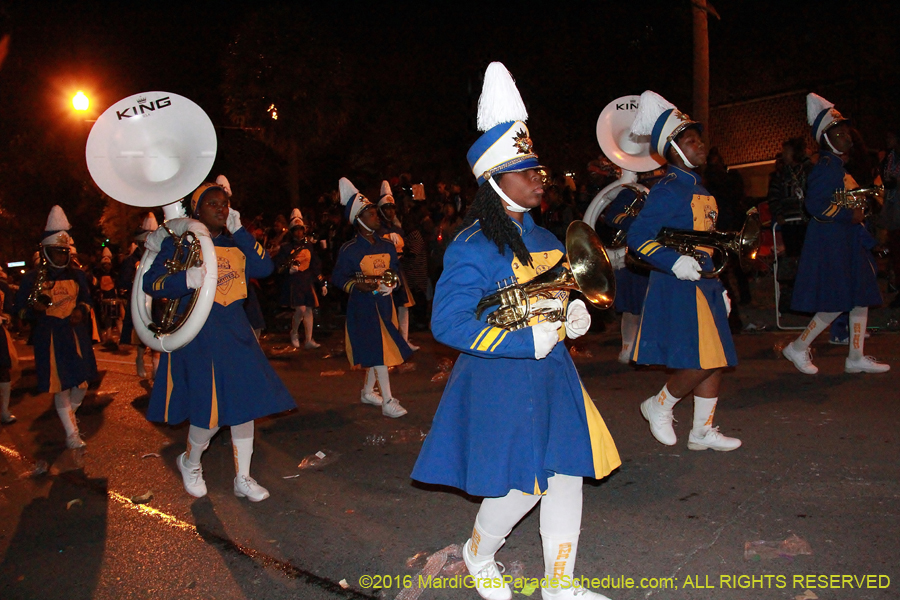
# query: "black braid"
{"type": "Point", "coordinates": [487, 207]}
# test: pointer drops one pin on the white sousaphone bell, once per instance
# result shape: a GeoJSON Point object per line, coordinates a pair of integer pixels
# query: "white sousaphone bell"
{"type": "Point", "coordinates": [153, 149]}
{"type": "Point", "coordinates": [629, 152]}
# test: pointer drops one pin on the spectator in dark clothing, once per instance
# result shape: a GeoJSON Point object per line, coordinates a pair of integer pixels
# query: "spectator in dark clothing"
{"type": "Point", "coordinates": [787, 194]}
{"type": "Point", "coordinates": [890, 214]}
{"type": "Point", "coordinates": [558, 214]}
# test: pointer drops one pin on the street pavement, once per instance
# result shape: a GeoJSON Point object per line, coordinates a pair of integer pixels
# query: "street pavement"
{"type": "Point", "coordinates": [817, 480]}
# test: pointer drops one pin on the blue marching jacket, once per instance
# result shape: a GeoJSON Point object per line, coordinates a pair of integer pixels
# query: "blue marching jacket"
{"type": "Point", "coordinates": [297, 288]}
{"type": "Point", "coordinates": [837, 270]}
{"type": "Point", "coordinates": [372, 337]}
{"type": "Point", "coordinates": [222, 376]}
{"type": "Point", "coordinates": [63, 354]}
{"type": "Point", "coordinates": [506, 420]}
{"type": "Point", "coordinates": [684, 324]}
{"type": "Point", "coordinates": [631, 285]}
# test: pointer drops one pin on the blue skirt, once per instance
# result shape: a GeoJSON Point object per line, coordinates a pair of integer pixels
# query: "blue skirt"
{"type": "Point", "coordinates": [372, 337]}
{"type": "Point", "coordinates": [631, 287]}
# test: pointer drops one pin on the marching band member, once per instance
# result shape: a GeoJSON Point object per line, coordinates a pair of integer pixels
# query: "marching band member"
{"type": "Point", "coordinates": [300, 261]}
{"type": "Point", "coordinates": [106, 296]}
{"type": "Point", "coordinates": [684, 323]}
{"type": "Point", "coordinates": [221, 378]}
{"type": "Point", "coordinates": [515, 424]}
{"type": "Point", "coordinates": [631, 282]}
{"type": "Point", "coordinates": [8, 356]}
{"type": "Point", "coordinates": [392, 231]}
{"type": "Point", "coordinates": [372, 339]}
{"type": "Point", "coordinates": [837, 271]}
{"type": "Point", "coordinates": [127, 271]}
{"type": "Point", "coordinates": [61, 310]}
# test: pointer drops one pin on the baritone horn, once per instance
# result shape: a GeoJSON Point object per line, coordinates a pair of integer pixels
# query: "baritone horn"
{"type": "Point", "coordinates": [584, 268]}
{"type": "Point", "coordinates": [389, 278]}
{"type": "Point", "coordinates": [858, 198]}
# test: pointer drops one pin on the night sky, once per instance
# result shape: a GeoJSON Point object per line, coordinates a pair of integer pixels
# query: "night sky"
{"type": "Point", "coordinates": [405, 82]}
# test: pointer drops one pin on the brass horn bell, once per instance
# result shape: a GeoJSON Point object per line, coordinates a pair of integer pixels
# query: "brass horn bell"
{"type": "Point", "coordinates": [585, 268]}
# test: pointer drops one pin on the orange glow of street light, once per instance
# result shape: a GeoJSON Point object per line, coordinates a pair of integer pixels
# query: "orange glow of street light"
{"type": "Point", "coordinates": [80, 101]}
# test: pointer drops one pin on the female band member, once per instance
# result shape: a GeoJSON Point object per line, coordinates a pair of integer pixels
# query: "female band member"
{"type": "Point", "coordinates": [515, 424]}
{"type": "Point", "coordinates": [684, 323]}
{"type": "Point", "coordinates": [221, 378]}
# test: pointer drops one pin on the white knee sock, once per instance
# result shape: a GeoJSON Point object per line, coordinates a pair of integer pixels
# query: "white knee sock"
{"type": "Point", "coordinates": [308, 324]}
{"type": "Point", "coordinates": [242, 444]}
{"type": "Point", "coordinates": [197, 442]}
{"type": "Point", "coordinates": [381, 372]}
{"type": "Point", "coordinates": [496, 518]}
{"type": "Point", "coordinates": [76, 397]}
{"type": "Point", "coordinates": [64, 410]}
{"type": "Point", "coordinates": [859, 316]}
{"type": "Point", "coordinates": [139, 362]}
{"type": "Point", "coordinates": [818, 324]}
{"type": "Point", "coordinates": [560, 528]}
{"type": "Point", "coordinates": [665, 398]}
{"type": "Point", "coordinates": [704, 409]}
{"type": "Point", "coordinates": [370, 380]}
{"type": "Point", "coordinates": [296, 320]}
{"type": "Point", "coordinates": [403, 320]}
{"type": "Point", "coordinates": [5, 390]}
{"type": "Point", "coordinates": [630, 325]}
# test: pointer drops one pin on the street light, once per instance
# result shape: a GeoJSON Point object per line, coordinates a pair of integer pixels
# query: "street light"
{"type": "Point", "coordinates": [80, 101]}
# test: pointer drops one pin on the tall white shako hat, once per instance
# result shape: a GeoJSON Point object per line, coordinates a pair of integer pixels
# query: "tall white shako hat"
{"type": "Point", "coordinates": [56, 231]}
{"type": "Point", "coordinates": [505, 146]}
{"type": "Point", "coordinates": [352, 201]}
{"type": "Point", "coordinates": [821, 116]}
{"type": "Point", "coordinates": [148, 226]}
{"type": "Point", "coordinates": [662, 121]}
{"type": "Point", "coordinates": [386, 196]}
{"type": "Point", "coordinates": [106, 256]}
{"type": "Point", "coordinates": [296, 219]}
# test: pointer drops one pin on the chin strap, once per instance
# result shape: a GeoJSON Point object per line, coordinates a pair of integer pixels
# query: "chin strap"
{"type": "Point", "coordinates": [683, 157]}
{"type": "Point", "coordinates": [833, 149]}
{"type": "Point", "coordinates": [365, 227]}
{"type": "Point", "coordinates": [53, 264]}
{"type": "Point", "coordinates": [509, 203]}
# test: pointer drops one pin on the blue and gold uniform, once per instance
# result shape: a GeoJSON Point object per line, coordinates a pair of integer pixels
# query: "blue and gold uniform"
{"type": "Point", "coordinates": [505, 424]}
{"type": "Point", "coordinates": [127, 271]}
{"type": "Point", "coordinates": [9, 359]}
{"type": "Point", "coordinates": [371, 335]}
{"type": "Point", "coordinates": [837, 270]}
{"type": "Point", "coordinates": [631, 285]}
{"type": "Point", "coordinates": [670, 334]}
{"type": "Point", "coordinates": [63, 355]}
{"type": "Point", "coordinates": [297, 287]}
{"type": "Point", "coordinates": [222, 376]}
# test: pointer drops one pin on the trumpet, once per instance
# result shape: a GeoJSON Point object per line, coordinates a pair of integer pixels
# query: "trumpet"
{"type": "Point", "coordinates": [38, 294]}
{"type": "Point", "coordinates": [585, 268]}
{"type": "Point", "coordinates": [858, 198]}
{"type": "Point", "coordinates": [389, 278]}
{"type": "Point", "coordinates": [744, 244]}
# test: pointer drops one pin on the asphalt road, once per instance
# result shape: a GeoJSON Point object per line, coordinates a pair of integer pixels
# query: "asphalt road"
{"type": "Point", "coordinates": [819, 462]}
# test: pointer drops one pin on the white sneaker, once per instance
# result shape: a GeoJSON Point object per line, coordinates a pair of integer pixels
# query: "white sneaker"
{"type": "Point", "coordinates": [865, 364]}
{"type": "Point", "coordinates": [373, 398]}
{"type": "Point", "coordinates": [571, 592]}
{"type": "Point", "coordinates": [246, 487]}
{"type": "Point", "coordinates": [295, 340]}
{"type": "Point", "coordinates": [412, 346]}
{"type": "Point", "coordinates": [75, 442]}
{"type": "Point", "coordinates": [660, 419]}
{"type": "Point", "coordinates": [488, 580]}
{"type": "Point", "coordinates": [802, 360]}
{"type": "Point", "coordinates": [710, 439]}
{"type": "Point", "coordinates": [192, 477]}
{"type": "Point", "coordinates": [391, 408]}
{"type": "Point", "coordinates": [312, 345]}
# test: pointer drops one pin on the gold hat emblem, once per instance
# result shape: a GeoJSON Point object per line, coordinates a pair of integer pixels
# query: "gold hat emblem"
{"type": "Point", "coordinates": [523, 143]}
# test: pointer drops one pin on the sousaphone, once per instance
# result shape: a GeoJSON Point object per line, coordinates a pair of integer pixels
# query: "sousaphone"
{"type": "Point", "coordinates": [148, 150]}
{"type": "Point", "coordinates": [629, 152]}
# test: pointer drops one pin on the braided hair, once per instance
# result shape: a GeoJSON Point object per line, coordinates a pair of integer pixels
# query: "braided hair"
{"type": "Point", "coordinates": [487, 207]}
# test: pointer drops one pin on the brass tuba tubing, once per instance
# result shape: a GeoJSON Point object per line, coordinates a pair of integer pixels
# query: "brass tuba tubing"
{"type": "Point", "coordinates": [187, 255]}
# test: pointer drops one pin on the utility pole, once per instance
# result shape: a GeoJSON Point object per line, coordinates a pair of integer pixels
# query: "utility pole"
{"type": "Point", "coordinates": [701, 65]}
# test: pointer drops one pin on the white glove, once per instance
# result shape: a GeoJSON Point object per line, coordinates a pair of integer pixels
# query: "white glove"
{"type": "Point", "coordinates": [727, 303]}
{"type": "Point", "coordinates": [397, 241]}
{"type": "Point", "coordinates": [294, 269]}
{"type": "Point", "coordinates": [384, 290]}
{"type": "Point", "coordinates": [687, 268]}
{"type": "Point", "coordinates": [234, 220]}
{"type": "Point", "coordinates": [546, 304]}
{"type": "Point", "coordinates": [617, 257]}
{"type": "Point", "coordinates": [324, 290]}
{"type": "Point", "coordinates": [545, 337]}
{"type": "Point", "coordinates": [578, 320]}
{"type": "Point", "coordinates": [194, 277]}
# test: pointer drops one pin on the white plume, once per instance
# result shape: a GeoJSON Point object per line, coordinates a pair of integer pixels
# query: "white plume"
{"type": "Point", "coordinates": [815, 104]}
{"type": "Point", "coordinates": [56, 220]}
{"type": "Point", "coordinates": [347, 190]}
{"type": "Point", "coordinates": [296, 214]}
{"type": "Point", "coordinates": [150, 223]}
{"type": "Point", "coordinates": [500, 100]}
{"type": "Point", "coordinates": [223, 181]}
{"type": "Point", "coordinates": [650, 106]}
{"type": "Point", "coordinates": [386, 189]}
